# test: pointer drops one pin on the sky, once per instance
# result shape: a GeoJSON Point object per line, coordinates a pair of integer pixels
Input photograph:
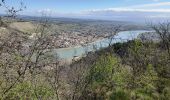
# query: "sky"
{"type": "Point", "coordinates": [125, 10]}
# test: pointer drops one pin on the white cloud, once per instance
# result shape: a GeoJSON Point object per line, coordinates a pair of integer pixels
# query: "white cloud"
{"type": "Point", "coordinates": [155, 0]}
{"type": "Point", "coordinates": [159, 16]}
{"type": "Point", "coordinates": [131, 13]}
{"type": "Point", "coordinates": [47, 10]}
{"type": "Point", "coordinates": [153, 5]}
{"type": "Point", "coordinates": [130, 10]}
{"type": "Point", "coordinates": [136, 12]}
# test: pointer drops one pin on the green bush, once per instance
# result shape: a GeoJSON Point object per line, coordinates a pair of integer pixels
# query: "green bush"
{"type": "Point", "coordinates": [25, 91]}
{"type": "Point", "coordinates": [120, 95]}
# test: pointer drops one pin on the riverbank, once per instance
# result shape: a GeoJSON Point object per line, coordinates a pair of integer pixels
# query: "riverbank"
{"type": "Point", "coordinates": [79, 51]}
{"type": "Point", "coordinates": [73, 39]}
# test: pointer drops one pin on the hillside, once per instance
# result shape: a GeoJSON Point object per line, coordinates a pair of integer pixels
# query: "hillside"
{"type": "Point", "coordinates": [134, 70]}
{"type": "Point", "coordinates": [23, 26]}
{"type": "Point", "coordinates": [125, 71]}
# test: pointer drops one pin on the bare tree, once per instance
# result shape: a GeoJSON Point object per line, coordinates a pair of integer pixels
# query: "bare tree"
{"type": "Point", "coordinates": [22, 56]}
{"type": "Point", "coordinates": [11, 10]}
{"type": "Point", "coordinates": [163, 31]}
{"type": "Point", "coordinates": [115, 29]}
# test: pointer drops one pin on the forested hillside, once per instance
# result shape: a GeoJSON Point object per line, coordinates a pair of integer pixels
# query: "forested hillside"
{"type": "Point", "coordinates": [138, 69]}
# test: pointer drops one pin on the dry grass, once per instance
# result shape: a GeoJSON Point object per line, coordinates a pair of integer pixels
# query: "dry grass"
{"type": "Point", "coordinates": [23, 26]}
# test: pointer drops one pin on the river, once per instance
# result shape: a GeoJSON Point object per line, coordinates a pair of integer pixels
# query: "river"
{"type": "Point", "coordinates": [69, 53]}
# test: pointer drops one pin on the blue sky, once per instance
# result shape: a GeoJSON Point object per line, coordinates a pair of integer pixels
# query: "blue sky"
{"type": "Point", "coordinates": [98, 9]}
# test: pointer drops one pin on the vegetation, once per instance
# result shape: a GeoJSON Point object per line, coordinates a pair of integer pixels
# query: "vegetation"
{"type": "Point", "coordinates": [135, 70]}
{"type": "Point", "coordinates": [135, 75]}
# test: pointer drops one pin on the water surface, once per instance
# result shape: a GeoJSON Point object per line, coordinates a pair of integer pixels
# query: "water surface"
{"type": "Point", "coordinates": [69, 53]}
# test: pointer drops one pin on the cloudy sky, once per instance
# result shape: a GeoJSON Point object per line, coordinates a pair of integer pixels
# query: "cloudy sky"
{"type": "Point", "coordinates": [126, 10]}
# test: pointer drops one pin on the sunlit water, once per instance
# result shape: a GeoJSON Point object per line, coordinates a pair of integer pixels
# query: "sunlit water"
{"type": "Point", "coordinates": [69, 53]}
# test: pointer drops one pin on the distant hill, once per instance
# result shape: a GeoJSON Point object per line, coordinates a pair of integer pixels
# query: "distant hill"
{"type": "Point", "coordinates": [97, 26]}
{"type": "Point", "coordinates": [85, 26]}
